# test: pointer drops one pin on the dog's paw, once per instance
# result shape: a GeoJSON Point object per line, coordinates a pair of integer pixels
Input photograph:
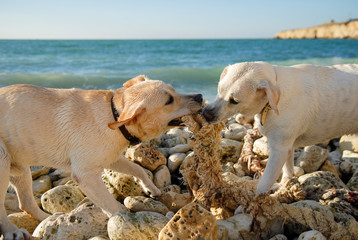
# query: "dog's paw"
{"type": "Point", "coordinates": [152, 191]}
{"type": "Point", "coordinates": [18, 234]}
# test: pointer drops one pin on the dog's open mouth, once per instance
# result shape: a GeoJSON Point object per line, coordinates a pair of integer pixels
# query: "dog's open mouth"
{"type": "Point", "coordinates": [177, 122]}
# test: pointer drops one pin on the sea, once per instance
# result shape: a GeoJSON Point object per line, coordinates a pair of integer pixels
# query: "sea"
{"type": "Point", "coordinates": [190, 66]}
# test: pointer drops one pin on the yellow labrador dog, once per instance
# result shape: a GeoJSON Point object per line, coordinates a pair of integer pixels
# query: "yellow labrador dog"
{"type": "Point", "coordinates": [295, 106]}
{"type": "Point", "coordinates": [83, 131]}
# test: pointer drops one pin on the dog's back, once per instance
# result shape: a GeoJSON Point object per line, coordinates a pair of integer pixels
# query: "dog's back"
{"type": "Point", "coordinates": [330, 100]}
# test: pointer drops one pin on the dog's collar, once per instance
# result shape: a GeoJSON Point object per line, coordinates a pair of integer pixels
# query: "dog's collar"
{"type": "Point", "coordinates": [132, 139]}
{"type": "Point", "coordinates": [264, 113]}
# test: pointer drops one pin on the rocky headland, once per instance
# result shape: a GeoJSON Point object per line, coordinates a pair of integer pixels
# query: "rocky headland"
{"type": "Point", "coordinates": [334, 30]}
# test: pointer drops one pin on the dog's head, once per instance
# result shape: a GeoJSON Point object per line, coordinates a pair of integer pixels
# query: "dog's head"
{"type": "Point", "coordinates": [244, 88]}
{"type": "Point", "coordinates": [148, 108]}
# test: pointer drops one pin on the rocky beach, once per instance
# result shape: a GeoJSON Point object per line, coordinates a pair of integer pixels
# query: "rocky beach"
{"type": "Point", "coordinates": [327, 180]}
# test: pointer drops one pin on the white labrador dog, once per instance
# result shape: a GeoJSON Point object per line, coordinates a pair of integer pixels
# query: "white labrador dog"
{"type": "Point", "coordinates": [295, 106]}
{"type": "Point", "coordinates": [78, 130]}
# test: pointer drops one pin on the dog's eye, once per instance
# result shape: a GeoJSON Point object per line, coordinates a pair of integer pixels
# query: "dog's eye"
{"type": "Point", "coordinates": [170, 100]}
{"type": "Point", "coordinates": [234, 101]}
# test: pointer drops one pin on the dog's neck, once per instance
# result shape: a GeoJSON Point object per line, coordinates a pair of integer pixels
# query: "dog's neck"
{"type": "Point", "coordinates": [133, 140]}
{"type": "Point", "coordinates": [264, 113]}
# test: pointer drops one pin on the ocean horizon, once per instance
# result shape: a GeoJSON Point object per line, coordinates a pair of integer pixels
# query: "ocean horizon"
{"type": "Point", "coordinates": [190, 65]}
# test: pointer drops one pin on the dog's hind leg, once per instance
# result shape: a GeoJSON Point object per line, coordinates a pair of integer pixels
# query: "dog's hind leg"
{"type": "Point", "coordinates": [23, 187]}
{"type": "Point", "coordinates": [7, 229]}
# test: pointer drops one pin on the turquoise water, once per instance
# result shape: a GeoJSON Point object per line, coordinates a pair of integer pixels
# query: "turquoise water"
{"type": "Point", "coordinates": [189, 65]}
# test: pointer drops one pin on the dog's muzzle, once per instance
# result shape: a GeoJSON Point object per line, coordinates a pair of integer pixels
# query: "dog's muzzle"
{"type": "Point", "coordinates": [209, 114]}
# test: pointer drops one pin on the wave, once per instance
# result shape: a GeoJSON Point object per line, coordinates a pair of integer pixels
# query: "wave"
{"type": "Point", "coordinates": [185, 79]}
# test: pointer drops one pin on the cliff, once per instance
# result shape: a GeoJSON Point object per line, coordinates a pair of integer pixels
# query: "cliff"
{"type": "Point", "coordinates": [338, 30]}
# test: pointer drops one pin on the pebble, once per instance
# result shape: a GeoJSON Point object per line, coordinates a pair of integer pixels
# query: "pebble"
{"type": "Point", "coordinates": [140, 203]}
{"type": "Point", "coordinates": [235, 132]}
{"type": "Point", "coordinates": [24, 220]}
{"type": "Point", "coordinates": [312, 158]}
{"type": "Point", "coordinates": [175, 160]}
{"type": "Point", "coordinates": [311, 235]}
{"type": "Point", "coordinates": [162, 177]}
{"type": "Point", "coordinates": [261, 147]}
{"type": "Point", "coordinates": [181, 148]}
{"type": "Point", "coordinates": [134, 226]}
{"type": "Point", "coordinates": [349, 142]}
{"type": "Point", "coordinates": [147, 156]}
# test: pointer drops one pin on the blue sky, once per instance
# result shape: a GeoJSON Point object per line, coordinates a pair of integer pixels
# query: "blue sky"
{"type": "Point", "coordinates": [163, 19]}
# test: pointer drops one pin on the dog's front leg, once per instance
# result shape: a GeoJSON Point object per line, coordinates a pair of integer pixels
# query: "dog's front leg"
{"type": "Point", "coordinates": [91, 184]}
{"type": "Point", "coordinates": [123, 165]}
{"type": "Point", "coordinates": [279, 154]}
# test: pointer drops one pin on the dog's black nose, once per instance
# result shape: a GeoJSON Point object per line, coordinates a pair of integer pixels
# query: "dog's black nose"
{"type": "Point", "coordinates": [208, 114]}
{"type": "Point", "coordinates": [198, 98]}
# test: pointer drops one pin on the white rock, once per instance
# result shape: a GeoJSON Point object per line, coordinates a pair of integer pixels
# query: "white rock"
{"type": "Point", "coordinates": [335, 157]}
{"type": "Point", "coordinates": [169, 215]}
{"type": "Point", "coordinates": [140, 203]}
{"type": "Point", "coordinates": [349, 142]}
{"type": "Point", "coordinates": [180, 148]}
{"type": "Point", "coordinates": [279, 237]}
{"type": "Point", "coordinates": [235, 131]}
{"type": "Point", "coordinates": [84, 222]}
{"type": "Point", "coordinates": [173, 141]}
{"type": "Point", "coordinates": [298, 171]}
{"type": "Point", "coordinates": [238, 170]}
{"type": "Point", "coordinates": [178, 132]}
{"type": "Point", "coordinates": [230, 147]}
{"type": "Point", "coordinates": [134, 226]}
{"type": "Point", "coordinates": [41, 185]}
{"type": "Point", "coordinates": [312, 158]}
{"type": "Point", "coordinates": [350, 156]}
{"type": "Point", "coordinates": [61, 199]}
{"type": "Point", "coordinates": [175, 160]}
{"type": "Point", "coordinates": [261, 147]}
{"type": "Point", "coordinates": [311, 235]}
{"type": "Point", "coordinates": [237, 223]}
{"type": "Point", "coordinates": [162, 177]}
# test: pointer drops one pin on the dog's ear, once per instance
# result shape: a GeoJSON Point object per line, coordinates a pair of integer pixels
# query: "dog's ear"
{"type": "Point", "coordinates": [272, 92]}
{"type": "Point", "coordinates": [129, 114]}
{"type": "Point", "coordinates": [224, 72]}
{"type": "Point", "coordinates": [135, 80]}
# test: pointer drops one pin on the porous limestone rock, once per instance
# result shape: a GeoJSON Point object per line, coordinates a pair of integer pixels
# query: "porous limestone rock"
{"type": "Point", "coordinates": [299, 228]}
{"type": "Point", "coordinates": [174, 201]}
{"type": "Point", "coordinates": [134, 226]}
{"type": "Point", "coordinates": [162, 177]}
{"type": "Point", "coordinates": [146, 155]}
{"type": "Point", "coordinates": [84, 222]}
{"type": "Point", "coordinates": [349, 142]}
{"type": "Point", "coordinates": [353, 182]}
{"type": "Point", "coordinates": [261, 147]}
{"type": "Point", "coordinates": [140, 203]}
{"type": "Point", "coordinates": [235, 131]}
{"type": "Point", "coordinates": [61, 199]}
{"type": "Point", "coordinates": [316, 183]}
{"type": "Point", "coordinates": [175, 160]}
{"type": "Point", "coordinates": [24, 220]}
{"type": "Point", "coordinates": [312, 158]}
{"type": "Point", "coordinates": [311, 235]}
{"type": "Point", "coordinates": [122, 185]}
{"type": "Point", "coordinates": [191, 222]}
